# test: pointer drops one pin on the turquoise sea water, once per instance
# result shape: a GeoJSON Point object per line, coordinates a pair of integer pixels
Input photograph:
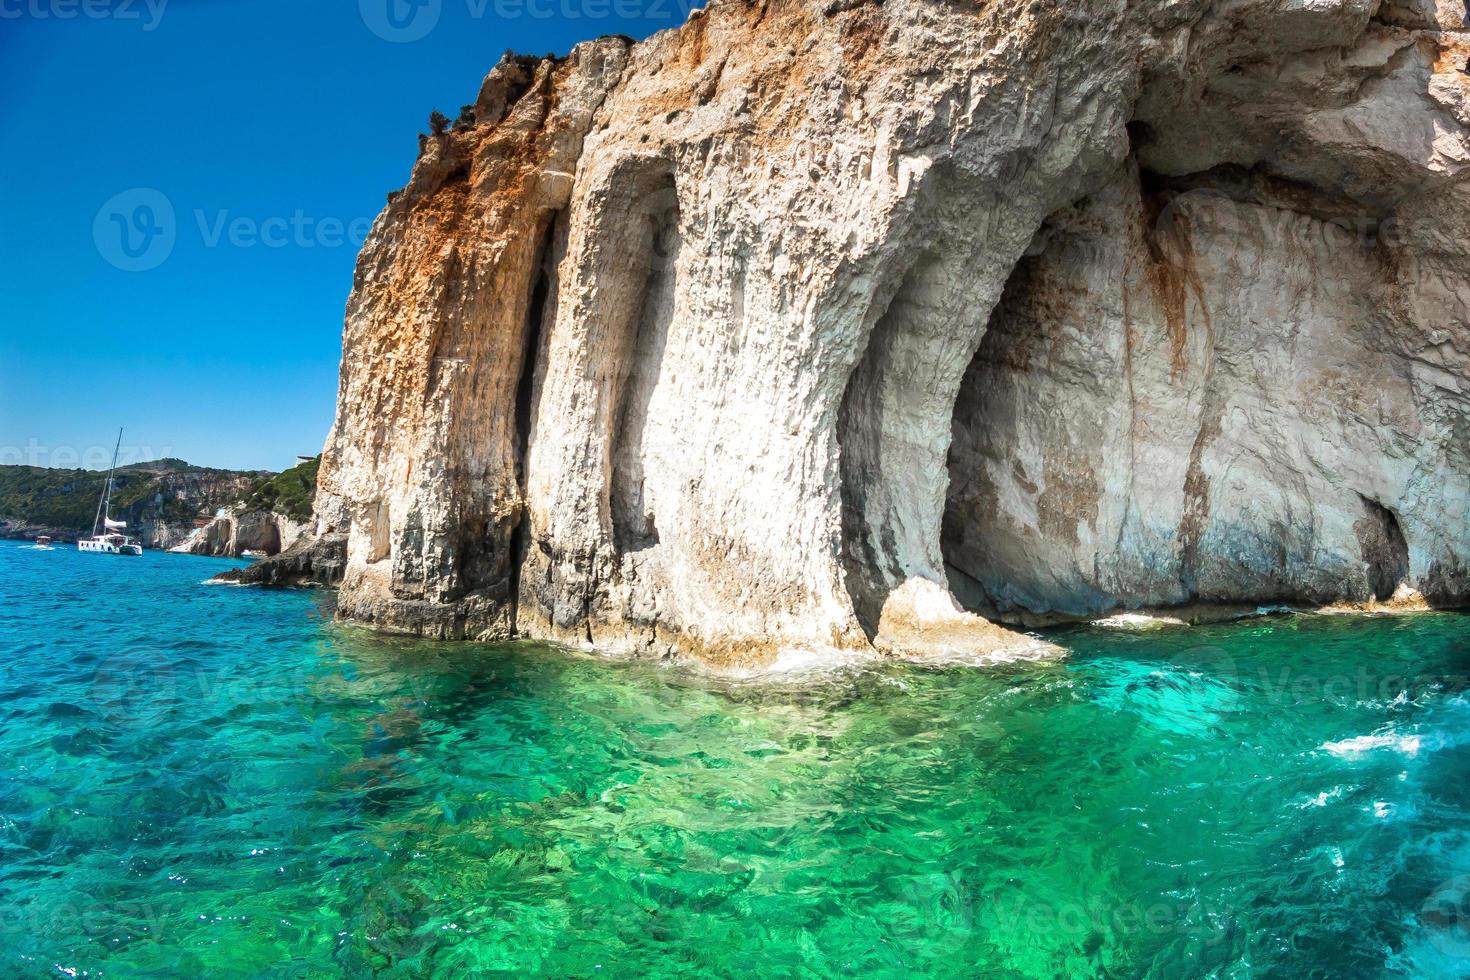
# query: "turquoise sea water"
{"type": "Point", "coordinates": [212, 781]}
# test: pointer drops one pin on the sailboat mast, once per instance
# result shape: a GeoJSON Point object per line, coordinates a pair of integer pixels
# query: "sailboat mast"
{"type": "Point", "coordinates": [105, 503]}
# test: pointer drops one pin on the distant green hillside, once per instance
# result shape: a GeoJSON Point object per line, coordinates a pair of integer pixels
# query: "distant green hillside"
{"type": "Point", "coordinates": [165, 491]}
{"type": "Point", "coordinates": [168, 491]}
{"type": "Point", "coordinates": [54, 498]}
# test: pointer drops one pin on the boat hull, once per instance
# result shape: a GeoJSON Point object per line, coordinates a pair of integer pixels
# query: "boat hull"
{"type": "Point", "coordinates": [108, 548]}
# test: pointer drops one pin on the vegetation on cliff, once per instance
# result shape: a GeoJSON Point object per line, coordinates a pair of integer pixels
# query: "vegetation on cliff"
{"type": "Point", "coordinates": [168, 491]}
{"type": "Point", "coordinates": [55, 498]}
{"type": "Point", "coordinates": [289, 494]}
{"type": "Point", "coordinates": [147, 495]}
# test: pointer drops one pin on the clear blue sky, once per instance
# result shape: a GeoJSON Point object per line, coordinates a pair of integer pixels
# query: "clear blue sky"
{"type": "Point", "coordinates": [223, 352]}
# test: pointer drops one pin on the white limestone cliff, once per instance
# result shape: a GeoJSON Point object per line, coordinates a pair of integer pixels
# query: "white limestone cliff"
{"type": "Point", "coordinates": [697, 344]}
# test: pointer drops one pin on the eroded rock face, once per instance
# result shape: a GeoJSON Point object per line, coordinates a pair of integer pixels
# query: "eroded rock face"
{"type": "Point", "coordinates": [1240, 377]}
{"type": "Point", "coordinates": [233, 533]}
{"type": "Point", "coordinates": [1194, 397]}
{"type": "Point", "coordinates": [666, 351]}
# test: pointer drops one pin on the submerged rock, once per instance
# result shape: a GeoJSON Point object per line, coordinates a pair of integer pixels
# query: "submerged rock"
{"type": "Point", "coordinates": [696, 344]}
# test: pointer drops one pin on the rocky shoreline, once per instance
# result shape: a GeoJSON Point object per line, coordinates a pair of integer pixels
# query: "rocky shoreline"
{"type": "Point", "coordinates": [17, 530]}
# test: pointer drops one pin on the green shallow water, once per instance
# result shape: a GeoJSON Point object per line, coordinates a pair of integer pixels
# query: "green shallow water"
{"type": "Point", "coordinates": [210, 781]}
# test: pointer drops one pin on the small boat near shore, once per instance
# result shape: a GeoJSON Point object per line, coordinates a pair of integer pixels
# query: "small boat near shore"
{"type": "Point", "coordinates": [43, 543]}
{"type": "Point", "coordinates": [109, 542]}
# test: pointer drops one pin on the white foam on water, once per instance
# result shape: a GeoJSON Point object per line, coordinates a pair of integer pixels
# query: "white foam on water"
{"type": "Point", "coordinates": [1137, 621]}
{"type": "Point", "coordinates": [797, 662]}
{"type": "Point", "coordinates": [1352, 748]}
{"type": "Point", "coordinates": [1034, 649]}
{"type": "Point", "coordinates": [805, 660]}
{"type": "Point", "coordinates": [1321, 799]}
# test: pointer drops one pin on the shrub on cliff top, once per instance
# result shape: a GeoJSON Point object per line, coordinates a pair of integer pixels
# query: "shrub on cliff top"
{"type": "Point", "coordinates": [290, 494]}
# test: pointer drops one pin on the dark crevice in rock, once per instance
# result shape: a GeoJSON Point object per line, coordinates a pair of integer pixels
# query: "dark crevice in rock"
{"type": "Point", "coordinates": [1011, 341]}
{"type": "Point", "coordinates": [1197, 493]}
{"type": "Point", "coordinates": [540, 311]}
{"type": "Point", "coordinates": [857, 552]}
{"type": "Point", "coordinates": [657, 237]}
{"type": "Point", "coordinates": [526, 384]}
{"type": "Point", "coordinates": [1363, 222]}
{"type": "Point", "coordinates": [1385, 550]}
{"type": "Point", "coordinates": [1140, 135]}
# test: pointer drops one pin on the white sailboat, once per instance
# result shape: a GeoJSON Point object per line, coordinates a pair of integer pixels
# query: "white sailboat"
{"type": "Point", "coordinates": [109, 542]}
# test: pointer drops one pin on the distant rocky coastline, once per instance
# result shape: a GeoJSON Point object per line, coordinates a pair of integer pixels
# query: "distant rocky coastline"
{"type": "Point", "coordinates": [168, 504]}
{"type": "Point", "coordinates": [265, 521]}
{"type": "Point", "coordinates": [237, 533]}
{"type": "Point", "coordinates": [15, 529]}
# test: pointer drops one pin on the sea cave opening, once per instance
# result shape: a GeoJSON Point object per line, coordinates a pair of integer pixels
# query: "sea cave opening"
{"type": "Point", "coordinates": [977, 552]}
{"type": "Point", "coordinates": [896, 422]}
{"type": "Point", "coordinates": [1385, 549]}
